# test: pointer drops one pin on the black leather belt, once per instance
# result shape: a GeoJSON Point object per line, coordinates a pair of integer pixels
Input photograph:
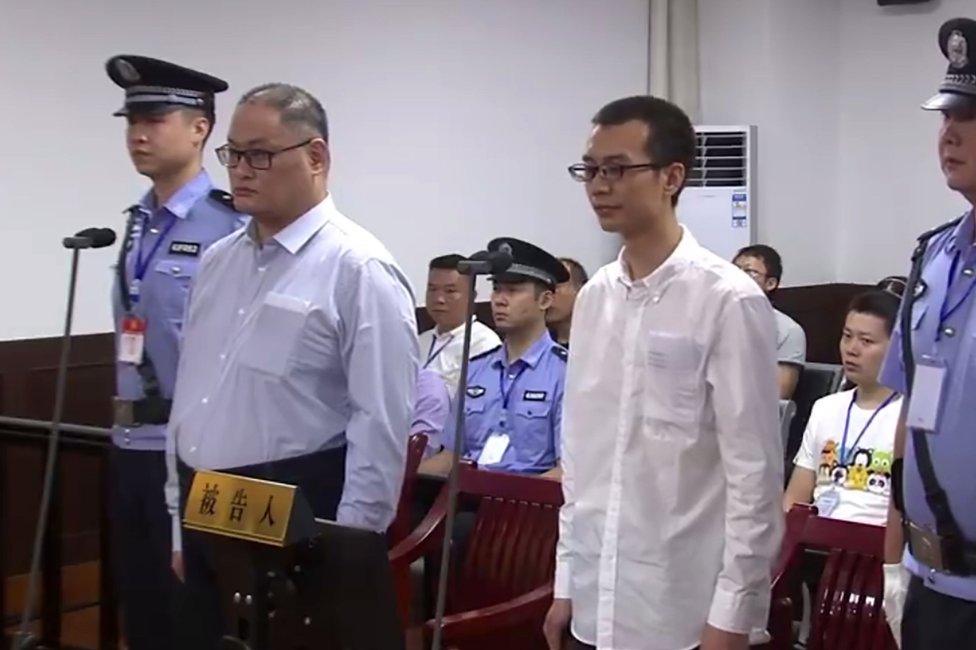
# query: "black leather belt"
{"type": "Point", "coordinates": [134, 413]}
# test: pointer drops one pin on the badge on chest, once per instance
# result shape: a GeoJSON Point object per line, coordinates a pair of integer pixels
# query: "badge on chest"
{"type": "Point", "coordinates": [494, 449]}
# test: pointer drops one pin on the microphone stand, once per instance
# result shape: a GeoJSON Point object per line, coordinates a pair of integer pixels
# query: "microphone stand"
{"type": "Point", "coordinates": [452, 481]}
{"type": "Point", "coordinates": [24, 639]}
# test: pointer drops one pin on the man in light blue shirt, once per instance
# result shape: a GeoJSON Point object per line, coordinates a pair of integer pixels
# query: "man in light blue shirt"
{"type": "Point", "coordinates": [513, 404]}
{"type": "Point", "coordinates": [300, 347]}
{"type": "Point", "coordinates": [937, 505]}
{"type": "Point", "coordinates": [166, 233]}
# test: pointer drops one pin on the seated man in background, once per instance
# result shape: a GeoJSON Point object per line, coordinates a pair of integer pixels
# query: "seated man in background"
{"type": "Point", "coordinates": [447, 301]}
{"type": "Point", "coordinates": [513, 406]}
{"type": "Point", "coordinates": [764, 265]}
{"type": "Point", "coordinates": [560, 314]}
{"type": "Point", "coordinates": [844, 462]}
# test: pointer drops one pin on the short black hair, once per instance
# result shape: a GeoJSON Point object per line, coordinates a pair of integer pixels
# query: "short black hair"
{"type": "Point", "coordinates": [671, 138]}
{"type": "Point", "coordinates": [577, 274]}
{"type": "Point", "coordinates": [770, 259]}
{"type": "Point", "coordinates": [447, 262]}
{"type": "Point", "coordinates": [296, 105]}
{"type": "Point", "coordinates": [877, 302]}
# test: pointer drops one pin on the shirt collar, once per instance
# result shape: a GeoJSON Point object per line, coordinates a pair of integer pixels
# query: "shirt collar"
{"type": "Point", "coordinates": [296, 234]}
{"type": "Point", "coordinates": [686, 250]}
{"type": "Point", "coordinates": [457, 331]}
{"type": "Point", "coordinates": [183, 199]}
{"type": "Point", "coordinates": [962, 233]}
{"type": "Point", "coordinates": [530, 357]}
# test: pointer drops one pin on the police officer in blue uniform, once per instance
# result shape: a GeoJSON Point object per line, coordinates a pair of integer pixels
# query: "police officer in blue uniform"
{"type": "Point", "coordinates": [169, 112]}
{"type": "Point", "coordinates": [513, 405]}
{"type": "Point", "coordinates": [932, 359]}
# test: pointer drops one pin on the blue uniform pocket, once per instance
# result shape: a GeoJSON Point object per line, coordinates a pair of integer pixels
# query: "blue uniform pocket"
{"type": "Point", "coordinates": [170, 286]}
{"type": "Point", "coordinates": [532, 434]}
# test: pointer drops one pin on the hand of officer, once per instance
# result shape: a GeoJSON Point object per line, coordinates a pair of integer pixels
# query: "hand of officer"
{"type": "Point", "coordinates": [716, 639]}
{"type": "Point", "coordinates": [556, 626]}
{"type": "Point", "coordinates": [177, 565]}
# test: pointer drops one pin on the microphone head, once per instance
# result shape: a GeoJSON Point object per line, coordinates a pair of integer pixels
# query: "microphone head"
{"type": "Point", "coordinates": [100, 237]}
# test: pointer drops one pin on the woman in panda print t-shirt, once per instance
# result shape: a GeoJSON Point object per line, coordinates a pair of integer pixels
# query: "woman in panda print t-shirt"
{"type": "Point", "coordinates": [844, 463]}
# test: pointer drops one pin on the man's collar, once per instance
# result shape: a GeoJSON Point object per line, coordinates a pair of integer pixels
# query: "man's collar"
{"type": "Point", "coordinates": [296, 234]}
{"type": "Point", "coordinates": [686, 250]}
{"type": "Point", "coordinates": [962, 234]}
{"type": "Point", "coordinates": [183, 199]}
{"type": "Point", "coordinates": [531, 356]}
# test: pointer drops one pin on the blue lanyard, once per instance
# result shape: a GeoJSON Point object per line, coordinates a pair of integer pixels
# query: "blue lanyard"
{"type": "Point", "coordinates": [142, 265]}
{"type": "Point", "coordinates": [844, 456]}
{"type": "Point", "coordinates": [501, 384]}
{"type": "Point", "coordinates": [945, 314]}
{"type": "Point", "coordinates": [432, 354]}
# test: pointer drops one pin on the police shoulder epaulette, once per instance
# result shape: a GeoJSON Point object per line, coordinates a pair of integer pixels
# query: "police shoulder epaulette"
{"type": "Point", "coordinates": [486, 353]}
{"type": "Point", "coordinates": [929, 234]}
{"type": "Point", "coordinates": [223, 198]}
{"type": "Point", "coordinates": [560, 352]}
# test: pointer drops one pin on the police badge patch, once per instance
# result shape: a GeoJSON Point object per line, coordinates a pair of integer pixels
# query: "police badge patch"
{"type": "Point", "coordinates": [957, 50]}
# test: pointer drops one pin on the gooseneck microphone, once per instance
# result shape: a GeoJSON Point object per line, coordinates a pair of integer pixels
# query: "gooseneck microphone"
{"type": "Point", "coordinates": [90, 238]}
{"type": "Point", "coordinates": [87, 238]}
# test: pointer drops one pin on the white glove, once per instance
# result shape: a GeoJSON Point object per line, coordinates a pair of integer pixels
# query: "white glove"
{"type": "Point", "coordinates": [896, 579]}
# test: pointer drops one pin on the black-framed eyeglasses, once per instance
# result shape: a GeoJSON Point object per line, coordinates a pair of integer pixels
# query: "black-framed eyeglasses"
{"type": "Point", "coordinates": [585, 172]}
{"type": "Point", "coordinates": [256, 158]}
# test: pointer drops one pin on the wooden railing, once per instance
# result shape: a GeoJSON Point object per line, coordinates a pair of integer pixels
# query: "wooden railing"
{"type": "Point", "coordinates": [87, 441]}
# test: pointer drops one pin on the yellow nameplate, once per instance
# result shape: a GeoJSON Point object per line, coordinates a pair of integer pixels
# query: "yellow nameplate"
{"type": "Point", "coordinates": [235, 506]}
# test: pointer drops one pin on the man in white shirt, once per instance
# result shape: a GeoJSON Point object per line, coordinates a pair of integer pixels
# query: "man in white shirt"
{"type": "Point", "coordinates": [447, 301]}
{"type": "Point", "coordinates": [765, 266]}
{"type": "Point", "coordinates": [671, 451]}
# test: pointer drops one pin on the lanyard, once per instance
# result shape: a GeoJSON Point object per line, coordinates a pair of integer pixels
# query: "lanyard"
{"type": "Point", "coordinates": [141, 264]}
{"type": "Point", "coordinates": [432, 353]}
{"type": "Point", "coordinates": [946, 312]}
{"type": "Point", "coordinates": [847, 424]}
{"type": "Point", "coordinates": [501, 384]}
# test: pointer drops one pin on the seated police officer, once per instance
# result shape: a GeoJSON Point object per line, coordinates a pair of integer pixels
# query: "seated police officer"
{"type": "Point", "coordinates": [513, 404]}
{"type": "Point", "coordinates": [169, 112]}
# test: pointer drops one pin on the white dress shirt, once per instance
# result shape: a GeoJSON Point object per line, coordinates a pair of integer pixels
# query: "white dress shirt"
{"type": "Point", "coordinates": [442, 352]}
{"type": "Point", "coordinates": [671, 455]}
{"type": "Point", "coordinates": [305, 343]}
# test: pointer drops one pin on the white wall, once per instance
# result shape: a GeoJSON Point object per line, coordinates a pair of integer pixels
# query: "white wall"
{"type": "Point", "coordinates": [847, 167]}
{"type": "Point", "coordinates": [452, 121]}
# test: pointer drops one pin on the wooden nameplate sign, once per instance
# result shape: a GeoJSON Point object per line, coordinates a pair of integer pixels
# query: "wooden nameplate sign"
{"type": "Point", "coordinates": [249, 509]}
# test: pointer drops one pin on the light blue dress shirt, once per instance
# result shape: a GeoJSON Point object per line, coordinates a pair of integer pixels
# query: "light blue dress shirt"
{"type": "Point", "coordinates": [191, 217]}
{"type": "Point", "coordinates": [301, 344]}
{"type": "Point", "coordinates": [944, 329]}
{"type": "Point", "coordinates": [522, 399]}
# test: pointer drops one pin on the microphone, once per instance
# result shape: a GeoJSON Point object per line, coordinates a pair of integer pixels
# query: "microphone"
{"type": "Point", "coordinates": [486, 263]}
{"type": "Point", "coordinates": [90, 238]}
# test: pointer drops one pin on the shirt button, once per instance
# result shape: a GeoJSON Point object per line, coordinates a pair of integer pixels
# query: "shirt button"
{"type": "Point", "coordinates": [154, 231]}
{"type": "Point", "coordinates": [262, 269]}
{"type": "Point", "coordinates": [656, 299]}
{"type": "Point", "coordinates": [193, 449]}
{"type": "Point", "coordinates": [240, 312]}
{"type": "Point", "coordinates": [204, 400]}
{"type": "Point", "coordinates": [223, 357]}
{"type": "Point", "coordinates": [968, 272]}
{"type": "Point", "coordinates": [949, 331]}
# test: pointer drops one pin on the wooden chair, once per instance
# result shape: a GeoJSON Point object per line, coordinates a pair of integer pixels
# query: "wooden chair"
{"type": "Point", "coordinates": [500, 591]}
{"type": "Point", "coordinates": [847, 608]}
{"type": "Point", "coordinates": [401, 525]}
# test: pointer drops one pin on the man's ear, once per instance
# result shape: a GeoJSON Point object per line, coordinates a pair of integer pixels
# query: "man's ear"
{"type": "Point", "coordinates": [771, 284]}
{"type": "Point", "coordinates": [674, 178]}
{"type": "Point", "coordinates": [545, 299]}
{"type": "Point", "coordinates": [319, 156]}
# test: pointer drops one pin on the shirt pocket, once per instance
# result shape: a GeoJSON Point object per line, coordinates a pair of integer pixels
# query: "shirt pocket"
{"type": "Point", "coordinates": [533, 434]}
{"type": "Point", "coordinates": [275, 333]}
{"type": "Point", "coordinates": [476, 429]}
{"type": "Point", "coordinates": [674, 384]}
{"type": "Point", "coordinates": [172, 280]}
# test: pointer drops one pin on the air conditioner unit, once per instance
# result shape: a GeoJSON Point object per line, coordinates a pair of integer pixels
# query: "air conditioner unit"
{"type": "Point", "coordinates": [718, 201]}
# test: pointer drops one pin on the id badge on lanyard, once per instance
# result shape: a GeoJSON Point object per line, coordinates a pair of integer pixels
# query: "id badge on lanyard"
{"type": "Point", "coordinates": [132, 341]}
{"type": "Point", "coordinates": [928, 390]}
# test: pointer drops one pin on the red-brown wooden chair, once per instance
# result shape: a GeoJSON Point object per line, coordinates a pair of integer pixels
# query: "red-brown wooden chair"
{"type": "Point", "coordinates": [847, 608]}
{"type": "Point", "coordinates": [500, 591]}
{"type": "Point", "coordinates": [401, 525]}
